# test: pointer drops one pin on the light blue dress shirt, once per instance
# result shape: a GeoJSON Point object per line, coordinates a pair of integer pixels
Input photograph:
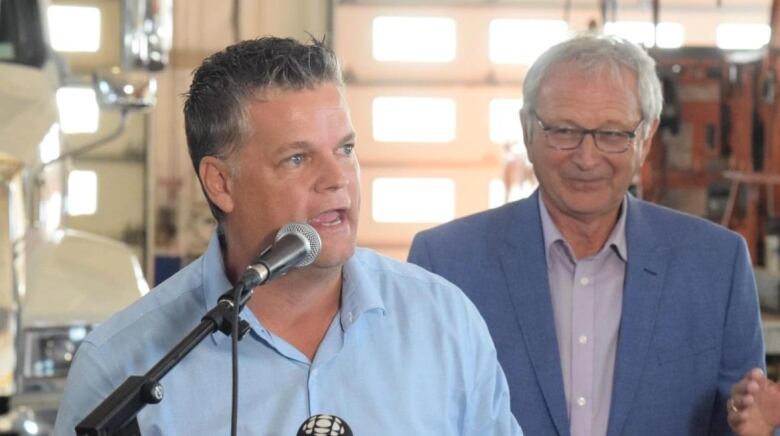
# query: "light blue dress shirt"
{"type": "Point", "coordinates": [408, 354]}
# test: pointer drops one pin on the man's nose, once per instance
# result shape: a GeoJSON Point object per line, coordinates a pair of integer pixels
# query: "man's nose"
{"type": "Point", "coordinates": [587, 154]}
{"type": "Point", "coordinates": [333, 173]}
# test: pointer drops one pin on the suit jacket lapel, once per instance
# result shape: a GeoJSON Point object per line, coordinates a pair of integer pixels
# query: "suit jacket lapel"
{"type": "Point", "coordinates": [645, 273]}
{"type": "Point", "coordinates": [525, 268]}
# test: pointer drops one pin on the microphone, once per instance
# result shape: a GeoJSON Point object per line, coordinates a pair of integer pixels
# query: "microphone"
{"type": "Point", "coordinates": [296, 245]}
{"type": "Point", "coordinates": [325, 425]}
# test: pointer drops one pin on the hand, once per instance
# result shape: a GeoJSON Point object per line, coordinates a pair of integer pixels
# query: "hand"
{"type": "Point", "coordinates": [754, 406]}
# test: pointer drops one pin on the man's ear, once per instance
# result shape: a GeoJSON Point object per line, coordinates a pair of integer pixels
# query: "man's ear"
{"type": "Point", "coordinates": [525, 123]}
{"type": "Point", "coordinates": [648, 141]}
{"type": "Point", "coordinates": [215, 176]}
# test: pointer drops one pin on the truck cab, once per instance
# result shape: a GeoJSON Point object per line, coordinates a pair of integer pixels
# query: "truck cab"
{"type": "Point", "coordinates": [56, 283]}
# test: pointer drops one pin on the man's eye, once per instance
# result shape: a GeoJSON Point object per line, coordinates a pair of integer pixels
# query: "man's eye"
{"type": "Point", "coordinates": [348, 149]}
{"type": "Point", "coordinates": [296, 159]}
{"type": "Point", "coordinates": [565, 132]}
{"type": "Point", "coordinates": [612, 134]}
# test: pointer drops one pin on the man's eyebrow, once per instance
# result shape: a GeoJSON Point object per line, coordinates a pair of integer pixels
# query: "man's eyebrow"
{"type": "Point", "coordinates": [349, 137]}
{"type": "Point", "coordinates": [610, 124]}
{"type": "Point", "coordinates": [294, 146]}
{"type": "Point", "coordinates": [306, 145]}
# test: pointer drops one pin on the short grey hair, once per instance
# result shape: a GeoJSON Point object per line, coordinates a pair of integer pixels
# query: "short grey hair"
{"type": "Point", "coordinates": [216, 116]}
{"type": "Point", "coordinates": [593, 52]}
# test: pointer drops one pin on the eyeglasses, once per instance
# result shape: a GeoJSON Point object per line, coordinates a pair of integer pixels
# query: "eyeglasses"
{"type": "Point", "coordinates": [569, 138]}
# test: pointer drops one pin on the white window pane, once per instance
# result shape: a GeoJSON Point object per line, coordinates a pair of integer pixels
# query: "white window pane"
{"type": "Point", "coordinates": [670, 35]}
{"type": "Point", "coordinates": [505, 120]}
{"type": "Point", "coordinates": [517, 41]}
{"type": "Point", "coordinates": [741, 35]}
{"type": "Point", "coordinates": [52, 211]}
{"type": "Point", "coordinates": [414, 39]}
{"type": "Point", "coordinates": [496, 193]}
{"type": "Point", "coordinates": [16, 214]}
{"type": "Point", "coordinates": [74, 28]}
{"type": "Point", "coordinates": [82, 192]}
{"type": "Point", "coordinates": [413, 200]}
{"type": "Point", "coordinates": [638, 32]}
{"type": "Point", "coordinates": [78, 110]}
{"type": "Point", "coordinates": [50, 145]}
{"type": "Point", "coordinates": [413, 119]}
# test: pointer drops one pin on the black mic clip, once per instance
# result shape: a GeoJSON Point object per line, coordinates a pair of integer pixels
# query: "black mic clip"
{"type": "Point", "coordinates": [222, 317]}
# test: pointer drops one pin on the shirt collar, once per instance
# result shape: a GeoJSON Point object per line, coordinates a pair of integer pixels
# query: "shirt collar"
{"type": "Point", "coordinates": [359, 291]}
{"type": "Point", "coordinates": [359, 294]}
{"type": "Point", "coordinates": [616, 239]}
{"type": "Point", "coordinates": [215, 280]}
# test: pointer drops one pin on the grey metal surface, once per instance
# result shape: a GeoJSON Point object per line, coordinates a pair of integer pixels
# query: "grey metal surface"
{"type": "Point", "coordinates": [768, 284]}
{"type": "Point", "coordinates": [12, 229]}
{"type": "Point", "coordinates": [771, 324]}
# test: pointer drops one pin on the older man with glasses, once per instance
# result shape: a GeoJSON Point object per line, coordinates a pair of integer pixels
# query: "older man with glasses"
{"type": "Point", "coordinates": [611, 316]}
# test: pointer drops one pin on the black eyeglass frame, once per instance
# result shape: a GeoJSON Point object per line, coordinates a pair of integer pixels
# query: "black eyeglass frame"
{"type": "Point", "coordinates": [629, 135]}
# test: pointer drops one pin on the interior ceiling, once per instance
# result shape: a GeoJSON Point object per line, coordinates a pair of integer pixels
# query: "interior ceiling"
{"type": "Point", "coordinates": [676, 4]}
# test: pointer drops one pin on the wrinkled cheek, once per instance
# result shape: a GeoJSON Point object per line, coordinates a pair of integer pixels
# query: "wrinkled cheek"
{"type": "Point", "coordinates": [357, 167]}
{"type": "Point", "coordinates": [356, 205]}
{"type": "Point", "coordinates": [355, 188]}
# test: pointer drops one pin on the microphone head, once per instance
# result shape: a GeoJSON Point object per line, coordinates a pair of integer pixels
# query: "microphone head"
{"type": "Point", "coordinates": [307, 234]}
{"type": "Point", "coordinates": [324, 425]}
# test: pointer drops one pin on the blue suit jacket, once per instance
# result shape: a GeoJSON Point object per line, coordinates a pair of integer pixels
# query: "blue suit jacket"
{"type": "Point", "coordinates": [690, 326]}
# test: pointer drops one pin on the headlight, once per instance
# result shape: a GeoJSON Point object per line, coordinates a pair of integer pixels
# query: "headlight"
{"type": "Point", "coordinates": [50, 350]}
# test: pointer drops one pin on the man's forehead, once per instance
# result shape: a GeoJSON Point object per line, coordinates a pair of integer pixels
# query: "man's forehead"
{"type": "Point", "coordinates": [275, 93]}
{"type": "Point", "coordinates": [289, 116]}
{"type": "Point", "coordinates": [591, 70]}
{"type": "Point", "coordinates": [573, 82]}
{"type": "Point", "coordinates": [299, 104]}
{"type": "Point", "coordinates": [587, 95]}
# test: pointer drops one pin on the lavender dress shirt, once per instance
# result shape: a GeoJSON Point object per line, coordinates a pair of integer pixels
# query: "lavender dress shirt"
{"type": "Point", "coordinates": [587, 298]}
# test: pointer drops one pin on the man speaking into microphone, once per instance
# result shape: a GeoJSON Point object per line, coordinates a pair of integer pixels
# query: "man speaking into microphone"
{"type": "Point", "coordinates": [385, 346]}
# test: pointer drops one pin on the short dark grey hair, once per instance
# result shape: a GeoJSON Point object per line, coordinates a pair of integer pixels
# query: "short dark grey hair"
{"type": "Point", "coordinates": [593, 52]}
{"type": "Point", "coordinates": [216, 117]}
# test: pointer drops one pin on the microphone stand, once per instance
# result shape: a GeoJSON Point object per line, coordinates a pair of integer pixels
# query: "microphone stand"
{"type": "Point", "coordinates": [116, 415]}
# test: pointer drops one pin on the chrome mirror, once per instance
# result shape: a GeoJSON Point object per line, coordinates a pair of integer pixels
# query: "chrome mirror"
{"type": "Point", "coordinates": [117, 89]}
{"type": "Point", "coordinates": [147, 33]}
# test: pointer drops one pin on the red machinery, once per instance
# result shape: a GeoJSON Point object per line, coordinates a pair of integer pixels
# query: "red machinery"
{"type": "Point", "coordinates": [717, 151]}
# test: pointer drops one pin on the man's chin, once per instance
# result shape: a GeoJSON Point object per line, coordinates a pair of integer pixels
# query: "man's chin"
{"type": "Point", "coordinates": [333, 258]}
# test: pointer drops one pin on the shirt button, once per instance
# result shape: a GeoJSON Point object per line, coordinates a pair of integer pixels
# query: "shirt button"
{"type": "Point", "coordinates": [584, 281]}
{"type": "Point", "coordinates": [349, 316]}
{"type": "Point", "coordinates": [581, 401]}
{"type": "Point", "coordinates": [582, 339]}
